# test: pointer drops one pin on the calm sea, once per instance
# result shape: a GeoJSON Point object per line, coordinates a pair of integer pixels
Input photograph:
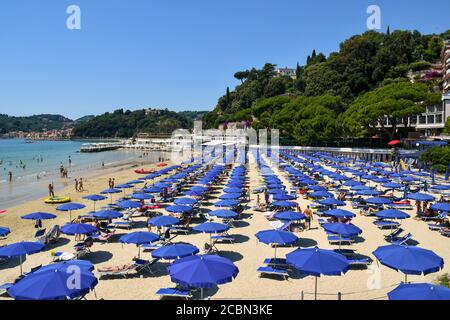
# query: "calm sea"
{"type": "Point", "coordinates": [34, 165]}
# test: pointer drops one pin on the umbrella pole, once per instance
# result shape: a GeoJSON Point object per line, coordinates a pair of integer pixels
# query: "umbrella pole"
{"type": "Point", "coordinates": [315, 289]}
{"type": "Point", "coordinates": [201, 293]}
{"type": "Point", "coordinates": [139, 251]}
{"type": "Point", "coordinates": [406, 278]}
{"type": "Point", "coordinates": [20, 258]}
{"type": "Point", "coordinates": [275, 252]}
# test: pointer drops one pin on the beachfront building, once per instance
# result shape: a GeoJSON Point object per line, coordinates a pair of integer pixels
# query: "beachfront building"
{"type": "Point", "coordinates": [445, 59]}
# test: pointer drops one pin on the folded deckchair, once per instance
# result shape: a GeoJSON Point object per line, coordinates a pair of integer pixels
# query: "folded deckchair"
{"type": "Point", "coordinates": [272, 270]}
{"type": "Point", "coordinates": [174, 292]}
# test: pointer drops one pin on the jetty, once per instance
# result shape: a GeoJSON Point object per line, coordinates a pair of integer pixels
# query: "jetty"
{"type": "Point", "coordinates": [100, 147]}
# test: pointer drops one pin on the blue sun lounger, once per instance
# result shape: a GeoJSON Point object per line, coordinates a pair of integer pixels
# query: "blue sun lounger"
{"type": "Point", "coordinates": [222, 238]}
{"type": "Point", "coordinates": [4, 288]}
{"type": "Point", "coordinates": [394, 234]}
{"type": "Point", "coordinates": [276, 262]}
{"type": "Point", "coordinates": [403, 240]}
{"type": "Point", "coordinates": [382, 224]}
{"type": "Point", "coordinates": [333, 239]}
{"type": "Point", "coordinates": [174, 292]}
{"type": "Point", "coordinates": [272, 270]}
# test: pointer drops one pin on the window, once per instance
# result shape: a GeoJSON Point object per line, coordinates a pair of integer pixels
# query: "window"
{"type": "Point", "coordinates": [439, 118]}
{"type": "Point", "coordinates": [413, 120]}
{"type": "Point", "coordinates": [430, 119]}
{"type": "Point", "coordinates": [430, 109]}
{"type": "Point", "coordinates": [439, 108]}
{"type": "Point", "coordinates": [422, 120]}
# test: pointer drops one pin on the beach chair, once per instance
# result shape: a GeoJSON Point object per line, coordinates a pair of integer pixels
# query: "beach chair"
{"type": "Point", "coordinates": [272, 270]}
{"type": "Point", "coordinates": [4, 288]}
{"type": "Point", "coordinates": [334, 239]}
{"type": "Point", "coordinates": [428, 218]}
{"type": "Point", "coordinates": [145, 265]}
{"type": "Point", "coordinates": [224, 237]}
{"type": "Point", "coordinates": [53, 234]}
{"type": "Point", "coordinates": [123, 224]}
{"type": "Point", "coordinates": [179, 229]}
{"type": "Point", "coordinates": [279, 225]}
{"type": "Point", "coordinates": [393, 234]}
{"type": "Point", "coordinates": [40, 236]}
{"type": "Point", "coordinates": [276, 262]}
{"type": "Point", "coordinates": [402, 240]}
{"type": "Point", "coordinates": [435, 227]}
{"type": "Point", "coordinates": [175, 293]}
{"type": "Point", "coordinates": [383, 224]}
{"type": "Point", "coordinates": [445, 232]}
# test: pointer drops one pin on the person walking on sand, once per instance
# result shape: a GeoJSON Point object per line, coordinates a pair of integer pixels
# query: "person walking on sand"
{"type": "Point", "coordinates": [80, 185]}
{"type": "Point", "coordinates": [10, 176]}
{"type": "Point", "coordinates": [110, 183]}
{"type": "Point", "coordinates": [76, 184]}
{"type": "Point", "coordinates": [309, 216]}
{"type": "Point", "coordinates": [113, 182]}
{"type": "Point", "coordinates": [51, 192]}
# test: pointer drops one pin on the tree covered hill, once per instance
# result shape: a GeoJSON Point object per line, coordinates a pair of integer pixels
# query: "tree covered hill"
{"type": "Point", "coordinates": [33, 123]}
{"type": "Point", "coordinates": [125, 124]}
{"type": "Point", "coordinates": [325, 99]}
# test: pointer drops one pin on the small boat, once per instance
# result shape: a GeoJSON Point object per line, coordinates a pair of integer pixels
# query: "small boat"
{"type": "Point", "coordinates": [57, 200]}
{"type": "Point", "coordinates": [2, 211]}
{"type": "Point", "coordinates": [144, 171]}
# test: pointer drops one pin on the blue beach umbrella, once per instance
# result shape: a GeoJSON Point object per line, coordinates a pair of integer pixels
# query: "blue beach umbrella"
{"type": "Point", "coordinates": [419, 291]}
{"type": "Point", "coordinates": [409, 259]}
{"type": "Point", "coordinates": [321, 194]}
{"type": "Point", "coordinates": [211, 227]}
{"type": "Point", "coordinates": [202, 271]}
{"type": "Point", "coordinates": [94, 198]}
{"type": "Point", "coordinates": [128, 204]}
{"type": "Point", "coordinates": [232, 190]}
{"type": "Point", "coordinates": [368, 192]}
{"type": "Point", "coordinates": [332, 202]}
{"type": "Point", "coordinates": [317, 262]}
{"type": "Point", "coordinates": [179, 209]}
{"type": "Point", "coordinates": [163, 221]}
{"type": "Point", "coordinates": [343, 229]}
{"type": "Point", "coordinates": [224, 214]}
{"type": "Point", "coordinates": [421, 197]}
{"type": "Point", "coordinates": [378, 201]}
{"type": "Point", "coordinates": [78, 228]}
{"type": "Point", "coordinates": [230, 196]}
{"type": "Point", "coordinates": [4, 231]}
{"type": "Point", "coordinates": [141, 196]}
{"type": "Point", "coordinates": [39, 216]}
{"type": "Point", "coordinates": [107, 214]}
{"type": "Point", "coordinates": [441, 206]}
{"type": "Point", "coordinates": [138, 238]}
{"type": "Point", "coordinates": [339, 213]}
{"type": "Point", "coordinates": [185, 201]}
{"type": "Point", "coordinates": [175, 251]}
{"type": "Point", "coordinates": [20, 249]}
{"type": "Point", "coordinates": [284, 204]}
{"type": "Point", "coordinates": [392, 214]}
{"type": "Point", "coordinates": [289, 216]}
{"type": "Point", "coordinates": [277, 237]}
{"type": "Point", "coordinates": [153, 190]}
{"type": "Point", "coordinates": [111, 191]}
{"type": "Point", "coordinates": [70, 207]}
{"type": "Point", "coordinates": [124, 186]}
{"type": "Point", "coordinates": [52, 283]}
{"type": "Point", "coordinates": [226, 203]}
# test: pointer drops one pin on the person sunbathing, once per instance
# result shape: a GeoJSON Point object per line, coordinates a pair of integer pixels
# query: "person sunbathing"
{"type": "Point", "coordinates": [116, 268]}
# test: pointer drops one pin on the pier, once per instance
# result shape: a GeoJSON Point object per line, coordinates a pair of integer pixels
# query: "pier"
{"type": "Point", "coordinates": [100, 147]}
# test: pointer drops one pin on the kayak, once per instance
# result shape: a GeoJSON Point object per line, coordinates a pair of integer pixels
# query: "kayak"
{"type": "Point", "coordinates": [2, 211]}
{"type": "Point", "coordinates": [143, 171]}
{"type": "Point", "coordinates": [57, 200]}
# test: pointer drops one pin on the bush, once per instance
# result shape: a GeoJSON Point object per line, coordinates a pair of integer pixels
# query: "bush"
{"type": "Point", "coordinates": [443, 280]}
{"type": "Point", "coordinates": [420, 66]}
{"type": "Point", "coordinates": [438, 157]}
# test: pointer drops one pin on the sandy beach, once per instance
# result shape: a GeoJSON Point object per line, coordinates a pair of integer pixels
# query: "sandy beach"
{"type": "Point", "coordinates": [246, 252]}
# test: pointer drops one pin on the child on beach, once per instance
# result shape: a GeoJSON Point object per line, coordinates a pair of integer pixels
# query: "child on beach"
{"type": "Point", "coordinates": [51, 192]}
{"type": "Point", "coordinates": [80, 185]}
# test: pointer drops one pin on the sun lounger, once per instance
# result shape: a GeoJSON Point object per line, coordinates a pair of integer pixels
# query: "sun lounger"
{"type": "Point", "coordinates": [222, 238]}
{"type": "Point", "coordinates": [121, 224]}
{"type": "Point", "coordinates": [339, 240]}
{"type": "Point", "coordinates": [276, 262]}
{"type": "Point", "coordinates": [175, 293]}
{"type": "Point", "coordinates": [63, 256]}
{"type": "Point", "coordinates": [428, 218]}
{"type": "Point", "coordinates": [146, 265]}
{"type": "Point", "coordinates": [279, 225]}
{"type": "Point", "coordinates": [179, 229]}
{"type": "Point", "coordinates": [435, 227]}
{"type": "Point", "coordinates": [102, 237]}
{"type": "Point", "coordinates": [383, 224]}
{"type": "Point", "coordinates": [4, 288]}
{"type": "Point", "coordinates": [445, 232]}
{"type": "Point", "coordinates": [270, 270]}
{"type": "Point", "coordinates": [394, 234]}
{"type": "Point", "coordinates": [403, 240]}
{"type": "Point", "coordinates": [355, 262]}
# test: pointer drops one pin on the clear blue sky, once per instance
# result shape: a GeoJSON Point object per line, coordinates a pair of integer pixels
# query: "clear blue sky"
{"type": "Point", "coordinates": [179, 54]}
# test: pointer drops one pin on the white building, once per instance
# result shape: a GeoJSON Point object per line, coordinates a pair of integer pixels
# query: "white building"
{"type": "Point", "coordinates": [289, 72]}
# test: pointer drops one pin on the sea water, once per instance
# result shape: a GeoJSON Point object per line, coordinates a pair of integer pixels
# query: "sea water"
{"type": "Point", "coordinates": [35, 165]}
